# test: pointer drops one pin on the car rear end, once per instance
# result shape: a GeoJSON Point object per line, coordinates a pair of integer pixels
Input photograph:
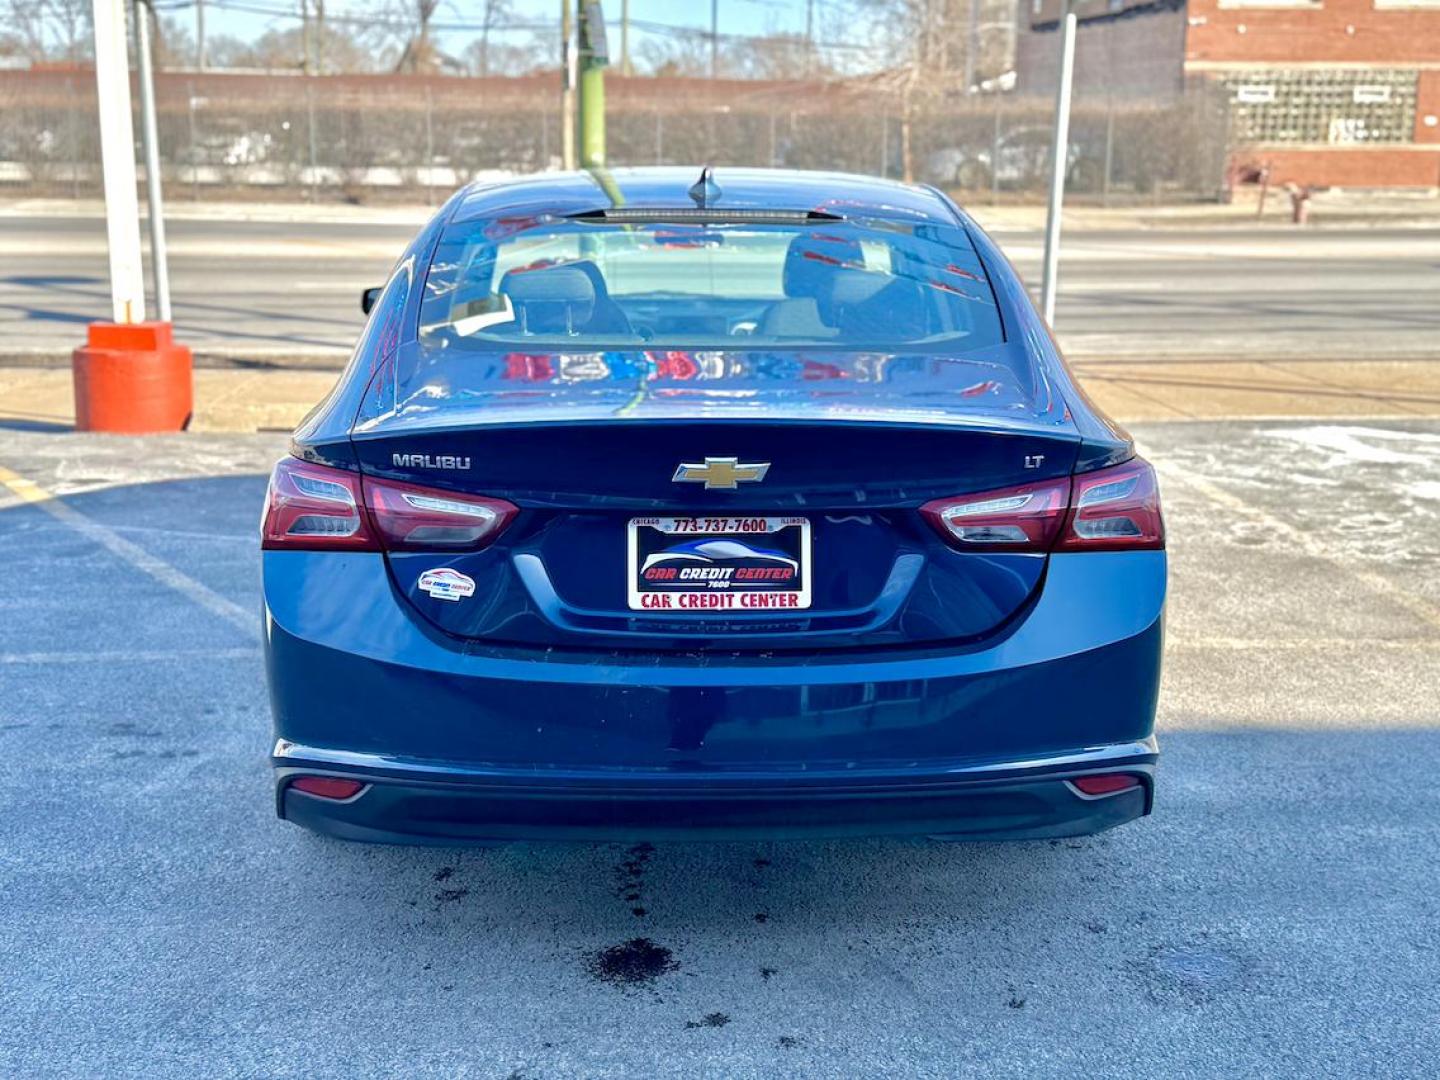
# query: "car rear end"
{"type": "Point", "coordinates": [575, 559]}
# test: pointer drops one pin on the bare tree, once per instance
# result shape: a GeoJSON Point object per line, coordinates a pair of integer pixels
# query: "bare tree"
{"type": "Point", "coordinates": [25, 25]}
{"type": "Point", "coordinates": [492, 14]}
{"type": "Point", "coordinates": [522, 57]}
{"type": "Point", "coordinates": [49, 29]}
{"type": "Point", "coordinates": [926, 43]}
{"type": "Point", "coordinates": [419, 55]}
{"type": "Point", "coordinates": [11, 45]}
{"type": "Point", "coordinates": [346, 49]}
{"type": "Point", "coordinates": [174, 42]}
{"type": "Point", "coordinates": [687, 55]}
{"type": "Point", "coordinates": [776, 56]}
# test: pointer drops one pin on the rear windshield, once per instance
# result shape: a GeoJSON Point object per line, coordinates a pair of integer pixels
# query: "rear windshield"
{"type": "Point", "coordinates": [556, 283]}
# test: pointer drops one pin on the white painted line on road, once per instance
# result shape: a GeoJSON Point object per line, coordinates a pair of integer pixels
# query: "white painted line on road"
{"type": "Point", "coordinates": [1420, 248]}
{"type": "Point", "coordinates": [171, 577]}
{"type": "Point", "coordinates": [1235, 644]}
{"type": "Point", "coordinates": [129, 656]}
{"type": "Point", "coordinates": [1120, 286]}
{"type": "Point", "coordinates": [171, 534]}
{"type": "Point", "coordinates": [357, 286]}
{"type": "Point", "coordinates": [226, 249]}
{"type": "Point", "coordinates": [225, 213]}
{"type": "Point", "coordinates": [1304, 542]}
{"type": "Point", "coordinates": [1229, 285]}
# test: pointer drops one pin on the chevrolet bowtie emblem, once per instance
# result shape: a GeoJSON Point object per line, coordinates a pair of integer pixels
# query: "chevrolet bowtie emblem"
{"type": "Point", "coordinates": [721, 472]}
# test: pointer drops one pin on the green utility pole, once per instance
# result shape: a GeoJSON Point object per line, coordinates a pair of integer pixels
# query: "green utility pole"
{"type": "Point", "coordinates": [594, 56]}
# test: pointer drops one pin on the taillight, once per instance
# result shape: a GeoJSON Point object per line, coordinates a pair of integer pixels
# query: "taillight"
{"type": "Point", "coordinates": [321, 508]}
{"type": "Point", "coordinates": [315, 506]}
{"type": "Point", "coordinates": [1023, 518]}
{"type": "Point", "coordinates": [411, 518]}
{"type": "Point", "coordinates": [1114, 509]}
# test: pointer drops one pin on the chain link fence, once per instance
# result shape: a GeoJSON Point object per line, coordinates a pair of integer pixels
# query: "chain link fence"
{"type": "Point", "coordinates": [370, 138]}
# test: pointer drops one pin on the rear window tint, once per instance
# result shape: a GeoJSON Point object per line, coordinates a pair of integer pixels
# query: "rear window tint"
{"type": "Point", "coordinates": [553, 284]}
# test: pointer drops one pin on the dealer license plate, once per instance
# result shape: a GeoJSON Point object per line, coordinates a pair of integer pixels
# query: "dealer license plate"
{"type": "Point", "coordinates": [704, 565]}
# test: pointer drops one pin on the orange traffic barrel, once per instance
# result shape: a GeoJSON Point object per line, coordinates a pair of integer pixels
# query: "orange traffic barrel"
{"type": "Point", "coordinates": [132, 378]}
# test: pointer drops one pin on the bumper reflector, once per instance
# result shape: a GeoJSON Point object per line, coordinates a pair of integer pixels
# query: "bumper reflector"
{"type": "Point", "coordinates": [1105, 784]}
{"type": "Point", "coordinates": [327, 787]}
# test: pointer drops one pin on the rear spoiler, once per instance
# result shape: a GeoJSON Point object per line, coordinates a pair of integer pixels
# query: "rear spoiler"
{"type": "Point", "coordinates": [668, 215]}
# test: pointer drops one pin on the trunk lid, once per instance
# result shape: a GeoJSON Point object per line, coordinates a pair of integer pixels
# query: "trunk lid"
{"type": "Point", "coordinates": [846, 464]}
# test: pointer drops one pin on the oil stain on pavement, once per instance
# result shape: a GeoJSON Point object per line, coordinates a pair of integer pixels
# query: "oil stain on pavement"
{"type": "Point", "coordinates": [634, 963]}
{"type": "Point", "coordinates": [710, 1020]}
{"type": "Point", "coordinates": [630, 876]}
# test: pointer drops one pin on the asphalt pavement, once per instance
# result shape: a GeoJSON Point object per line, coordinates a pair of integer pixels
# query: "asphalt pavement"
{"type": "Point", "coordinates": [289, 289]}
{"type": "Point", "coordinates": [1277, 916]}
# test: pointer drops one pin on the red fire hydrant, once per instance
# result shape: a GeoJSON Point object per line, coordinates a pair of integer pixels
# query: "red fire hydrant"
{"type": "Point", "coordinates": [133, 379]}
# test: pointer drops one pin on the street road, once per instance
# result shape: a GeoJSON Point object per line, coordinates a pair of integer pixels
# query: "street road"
{"type": "Point", "coordinates": [1277, 916]}
{"type": "Point", "coordinates": [266, 289]}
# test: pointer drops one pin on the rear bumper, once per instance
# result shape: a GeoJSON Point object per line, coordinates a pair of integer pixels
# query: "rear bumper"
{"type": "Point", "coordinates": [1004, 801]}
{"type": "Point", "coordinates": [459, 742]}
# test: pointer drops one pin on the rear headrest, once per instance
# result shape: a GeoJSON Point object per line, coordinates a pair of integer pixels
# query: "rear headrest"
{"type": "Point", "coordinates": [855, 286]}
{"type": "Point", "coordinates": [592, 272]}
{"type": "Point", "coordinates": [813, 258]}
{"type": "Point", "coordinates": [551, 299]}
{"type": "Point", "coordinates": [873, 306]}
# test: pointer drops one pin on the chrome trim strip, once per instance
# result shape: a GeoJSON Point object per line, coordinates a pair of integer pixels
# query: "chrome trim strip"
{"type": "Point", "coordinates": [286, 751]}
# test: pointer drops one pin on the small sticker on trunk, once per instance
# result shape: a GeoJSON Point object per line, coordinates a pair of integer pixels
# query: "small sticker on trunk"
{"type": "Point", "coordinates": [445, 584]}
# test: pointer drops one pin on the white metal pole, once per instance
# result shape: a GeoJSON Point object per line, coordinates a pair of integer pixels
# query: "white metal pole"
{"type": "Point", "coordinates": [1059, 160]}
{"type": "Point", "coordinates": [159, 260]}
{"type": "Point", "coordinates": [200, 34]}
{"type": "Point", "coordinates": [117, 162]}
{"type": "Point", "coordinates": [570, 58]}
{"type": "Point", "coordinates": [714, 38]}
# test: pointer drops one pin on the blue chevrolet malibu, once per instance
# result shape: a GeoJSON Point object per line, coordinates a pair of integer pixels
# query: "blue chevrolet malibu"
{"type": "Point", "coordinates": [673, 504]}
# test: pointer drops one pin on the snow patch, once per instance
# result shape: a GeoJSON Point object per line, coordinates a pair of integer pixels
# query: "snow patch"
{"type": "Point", "coordinates": [1347, 446]}
{"type": "Point", "coordinates": [1425, 489]}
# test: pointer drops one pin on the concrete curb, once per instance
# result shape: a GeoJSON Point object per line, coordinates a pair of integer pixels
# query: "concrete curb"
{"type": "Point", "coordinates": [299, 361]}
{"type": "Point", "coordinates": [1337, 212]}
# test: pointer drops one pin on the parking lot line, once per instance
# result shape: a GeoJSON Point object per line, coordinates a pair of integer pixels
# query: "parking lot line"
{"type": "Point", "coordinates": [1268, 644]}
{"type": "Point", "coordinates": [1303, 542]}
{"type": "Point", "coordinates": [170, 576]}
{"type": "Point", "coordinates": [128, 656]}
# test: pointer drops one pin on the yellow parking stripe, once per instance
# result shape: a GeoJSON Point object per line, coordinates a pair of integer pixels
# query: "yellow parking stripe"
{"type": "Point", "coordinates": [25, 490]}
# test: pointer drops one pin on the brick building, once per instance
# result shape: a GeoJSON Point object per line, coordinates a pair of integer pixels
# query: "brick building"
{"type": "Point", "coordinates": [1324, 92]}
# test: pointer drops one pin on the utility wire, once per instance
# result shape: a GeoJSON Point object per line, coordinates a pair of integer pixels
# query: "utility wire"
{"type": "Point", "coordinates": [466, 26]}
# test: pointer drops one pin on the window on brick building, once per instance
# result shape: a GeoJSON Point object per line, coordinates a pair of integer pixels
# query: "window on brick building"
{"type": "Point", "coordinates": [1271, 3]}
{"type": "Point", "coordinates": [1336, 107]}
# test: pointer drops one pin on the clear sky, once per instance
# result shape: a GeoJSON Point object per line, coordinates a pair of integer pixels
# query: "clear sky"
{"type": "Point", "coordinates": [248, 19]}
